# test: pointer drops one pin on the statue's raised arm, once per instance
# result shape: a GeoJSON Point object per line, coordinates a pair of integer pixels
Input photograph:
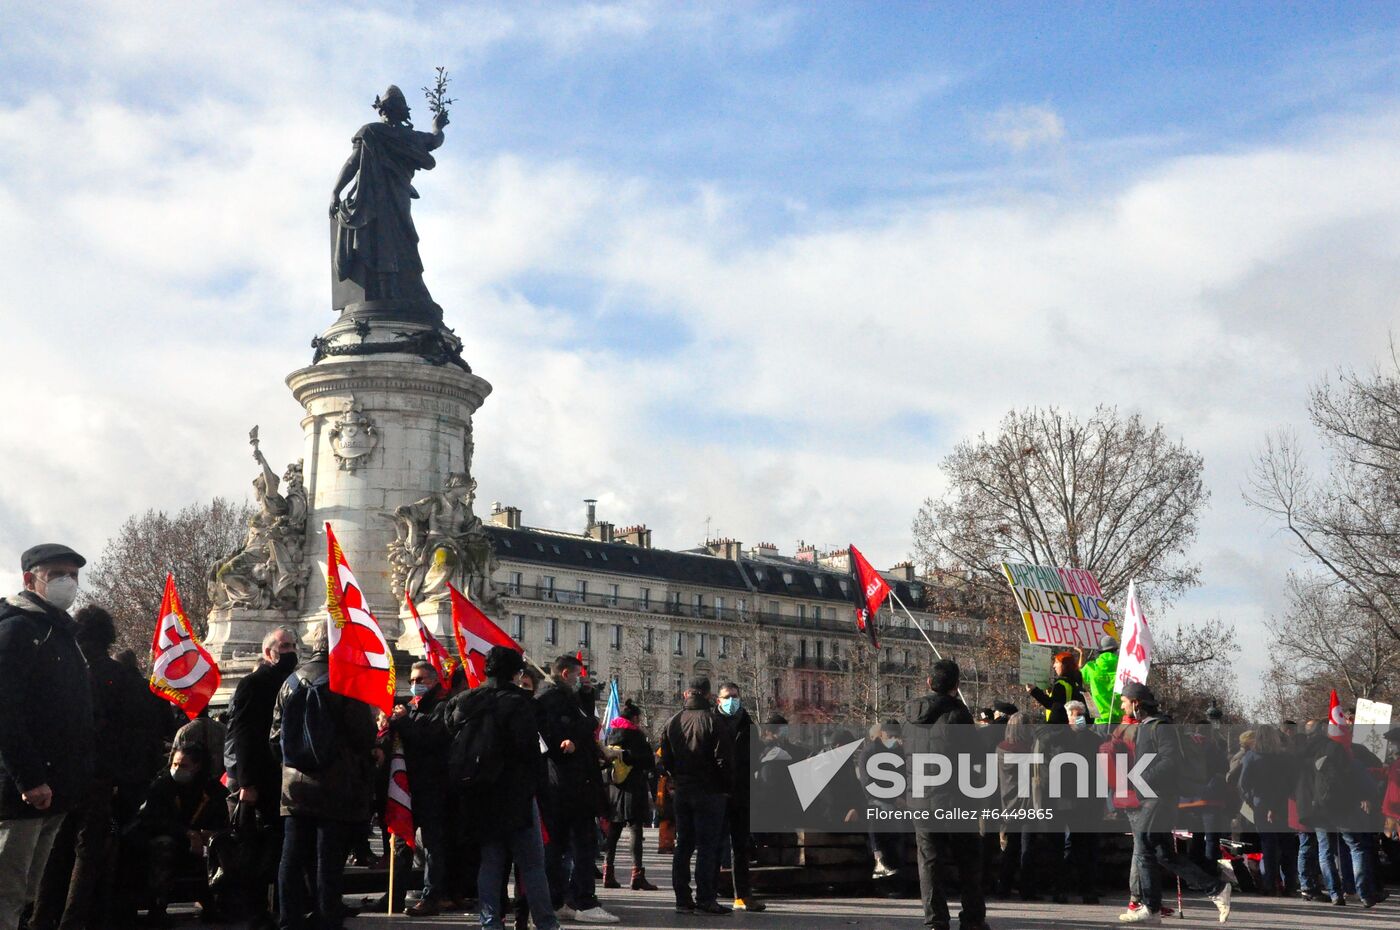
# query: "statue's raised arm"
{"type": "Point", "coordinates": [375, 245]}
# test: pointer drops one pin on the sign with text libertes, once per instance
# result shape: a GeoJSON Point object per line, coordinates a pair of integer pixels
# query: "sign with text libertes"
{"type": "Point", "coordinates": [1060, 606]}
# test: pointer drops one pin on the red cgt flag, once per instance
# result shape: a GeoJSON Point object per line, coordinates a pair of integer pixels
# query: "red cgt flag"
{"type": "Point", "coordinates": [182, 671]}
{"type": "Point", "coordinates": [475, 635]}
{"type": "Point", "coordinates": [870, 594]}
{"type": "Point", "coordinates": [361, 665]}
{"type": "Point", "coordinates": [1338, 730]}
{"type": "Point", "coordinates": [398, 806]}
{"type": "Point", "coordinates": [437, 655]}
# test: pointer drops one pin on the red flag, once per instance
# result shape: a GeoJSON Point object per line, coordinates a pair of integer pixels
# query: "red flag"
{"type": "Point", "coordinates": [870, 594]}
{"type": "Point", "coordinates": [398, 809]}
{"type": "Point", "coordinates": [1338, 730]}
{"type": "Point", "coordinates": [361, 665]}
{"type": "Point", "coordinates": [437, 655]}
{"type": "Point", "coordinates": [475, 634]}
{"type": "Point", "coordinates": [182, 671]}
{"type": "Point", "coordinates": [583, 669]}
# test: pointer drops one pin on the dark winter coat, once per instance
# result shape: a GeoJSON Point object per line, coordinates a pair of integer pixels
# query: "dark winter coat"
{"type": "Point", "coordinates": [248, 756]}
{"type": "Point", "coordinates": [47, 736]}
{"type": "Point", "coordinates": [1266, 782]}
{"type": "Point", "coordinates": [941, 724]}
{"type": "Point", "coordinates": [740, 729]}
{"type": "Point", "coordinates": [630, 802]}
{"type": "Point", "coordinates": [1155, 734]}
{"type": "Point", "coordinates": [425, 742]}
{"type": "Point", "coordinates": [342, 791]}
{"type": "Point", "coordinates": [574, 786]}
{"type": "Point", "coordinates": [206, 736]}
{"type": "Point", "coordinates": [172, 809]}
{"type": "Point", "coordinates": [697, 751]}
{"type": "Point", "coordinates": [508, 804]}
{"type": "Point", "coordinates": [133, 725]}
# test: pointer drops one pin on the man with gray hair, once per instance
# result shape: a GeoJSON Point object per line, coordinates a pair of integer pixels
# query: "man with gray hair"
{"type": "Point", "coordinates": [47, 737]}
{"type": "Point", "coordinates": [254, 774]}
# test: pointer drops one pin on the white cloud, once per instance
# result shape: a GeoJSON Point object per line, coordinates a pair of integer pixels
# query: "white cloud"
{"type": "Point", "coordinates": [1024, 127]}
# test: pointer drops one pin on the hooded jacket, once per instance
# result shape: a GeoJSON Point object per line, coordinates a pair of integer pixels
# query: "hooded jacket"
{"type": "Point", "coordinates": [47, 735]}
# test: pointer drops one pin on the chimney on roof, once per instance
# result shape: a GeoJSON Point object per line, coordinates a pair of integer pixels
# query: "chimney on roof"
{"type": "Point", "coordinates": [509, 517]}
{"type": "Point", "coordinates": [838, 560]}
{"type": "Point", "coordinates": [638, 536]}
{"type": "Point", "coordinates": [904, 571]}
{"type": "Point", "coordinates": [592, 503]}
{"type": "Point", "coordinates": [602, 531]}
{"type": "Point", "coordinates": [725, 548]}
{"type": "Point", "coordinates": [764, 550]}
{"type": "Point", "coordinates": [806, 552]}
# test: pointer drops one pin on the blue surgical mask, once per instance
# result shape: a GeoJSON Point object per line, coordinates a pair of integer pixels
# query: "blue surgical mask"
{"type": "Point", "coordinates": [729, 706]}
{"type": "Point", "coordinates": [418, 690]}
{"type": "Point", "coordinates": [1079, 723]}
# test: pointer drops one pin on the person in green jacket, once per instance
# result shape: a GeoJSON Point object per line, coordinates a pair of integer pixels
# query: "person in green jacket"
{"type": "Point", "coordinates": [1099, 674]}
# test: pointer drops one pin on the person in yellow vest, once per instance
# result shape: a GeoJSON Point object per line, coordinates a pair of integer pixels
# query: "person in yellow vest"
{"type": "Point", "coordinates": [1068, 686]}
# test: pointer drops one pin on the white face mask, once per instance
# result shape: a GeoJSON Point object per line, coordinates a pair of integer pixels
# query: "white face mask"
{"type": "Point", "coordinates": [889, 743]}
{"type": "Point", "coordinates": [61, 592]}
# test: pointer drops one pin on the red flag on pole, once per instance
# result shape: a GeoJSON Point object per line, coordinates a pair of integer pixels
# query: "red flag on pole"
{"type": "Point", "coordinates": [1338, 730]}
{"type": "Point", "coordinates": [475, 634]}
{"type": "Point", "coordinates": [361, 665]}
{"type": "Point", "coordinates": [583, 669]}
{"type": "Point", "coordinates": [398, 809]}
{"type": "Point", "coordinates": [182, 671]}
{"type": "Point", "coordinates": [871, 591]}
{"type": "Point", "coordinates": [437, 655]}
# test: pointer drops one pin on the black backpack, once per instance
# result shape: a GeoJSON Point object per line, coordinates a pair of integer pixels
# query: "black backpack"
{"type": "Point", "coordinates": [308, 725]}
{"type": "Point", "coordinates": [475, 758]}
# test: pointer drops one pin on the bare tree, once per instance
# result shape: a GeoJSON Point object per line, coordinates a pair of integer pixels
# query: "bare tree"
{"type": "Point", "coordinates": [1348, 520]}
{"type": "Point", "coordinates": [1193, 667]}
{"type": "Point", "coordinates": [1327, 639]}
{"type": "Point", "coordinates": [1110, 494]}
{"type": "Point", "coordinates": [128, 578]}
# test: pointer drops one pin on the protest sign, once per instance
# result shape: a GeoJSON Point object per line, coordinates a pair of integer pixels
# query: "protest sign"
{"type": "Point", "coordinates": [1371, 721]}
{"type": "Point", "coordinates": [1035, 665]}
{"type": "Point", "coordinates": [1061, 607]}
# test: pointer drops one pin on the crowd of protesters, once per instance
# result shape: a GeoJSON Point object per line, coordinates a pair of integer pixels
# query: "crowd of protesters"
{"type": "Point", "coordinates": [109, 797]}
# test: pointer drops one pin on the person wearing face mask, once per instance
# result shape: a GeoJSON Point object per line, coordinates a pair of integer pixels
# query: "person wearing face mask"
{"type": "Point", "coordinates": [1083, 817]}
{"type": "Point", "coordinates": [422, 732]}
{"type": "Point", "coordinates": [884, 847]}
{"type": "Point", "coordinates": [737, 723]}
{"type": "Point", "coordinates": [47, 736]}
{"type": "Point", "coordinates": [629, 798]}
{"type": "Point", "coordinates": [254, 774]}
{"type": "Point", "coordinates": [184, 807]}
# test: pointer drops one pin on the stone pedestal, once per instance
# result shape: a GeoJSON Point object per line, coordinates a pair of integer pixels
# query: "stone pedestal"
{"type": "Point", "coordinates": [414, 427]}
{"type": "Point", "coordinates": [236, 633]}
{"type": "Point", "coordinates": [437, 617]}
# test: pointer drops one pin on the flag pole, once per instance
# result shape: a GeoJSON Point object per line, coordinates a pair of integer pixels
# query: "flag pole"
{"type": "Point", "coordinates": [917, 625]}
{"type": "Point", "coordinates": [393, 854]}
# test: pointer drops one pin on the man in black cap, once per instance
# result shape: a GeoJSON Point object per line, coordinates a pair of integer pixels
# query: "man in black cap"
{"type": "Point", "coordinates": [700, 761]}
{"type": "Point", "coordinates": [1152, 821]}
{"type": "Point", "coordinates": [46, 723]}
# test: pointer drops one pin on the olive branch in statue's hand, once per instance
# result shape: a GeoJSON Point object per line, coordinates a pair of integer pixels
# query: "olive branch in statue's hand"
{"type": "Point", "coordinates": [438, 101]}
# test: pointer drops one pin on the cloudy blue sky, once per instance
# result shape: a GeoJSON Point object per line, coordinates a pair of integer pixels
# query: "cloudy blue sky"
{"type": "Point", "coordinates": [752, 264]}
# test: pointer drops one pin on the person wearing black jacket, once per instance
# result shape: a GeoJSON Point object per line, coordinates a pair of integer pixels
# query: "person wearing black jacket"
{"type": "Point", "coordinates": [419, 727]}
{"type": "Point", "coordinates": [1153, 820]}
{"type": "Point", "coordinates": [254, 773]}
{"type": "Point", "coordinates": [47, 737]}
{"type": "Point", "coordinates": [629, 801]}
{"type": "Point", "coordinates": [928, 715]}
{"type": "Point", "coordinates": [739, 725]}
{"type": "Point", "coordinates": [698, 755]}
{"type": "Point", "coordinates": [322, 810]}
{"type": "Point", "coordinates": [573, 798]}
{"type": "Point", "coordinates": [504, 814]}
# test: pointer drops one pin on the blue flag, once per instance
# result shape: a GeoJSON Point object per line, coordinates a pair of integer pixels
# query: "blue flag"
{"type": "Point", "coordinates": [614, 709]}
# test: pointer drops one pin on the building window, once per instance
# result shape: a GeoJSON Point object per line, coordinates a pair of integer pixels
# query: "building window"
{"type": "Point", "coordinates": [551, 630]}
{"type": "Point", "coordinates": [816, 615]}
{"type": "Point", "coordinates": [644, 597]}
{"type": "Point", "coordinates": [617, 636]}
{"type": "Point", "coordinates": [515, 580]}
{"type": "Point", "coordinates": [680, 684]}
{"type": "Point", "coordinates": [907, 693]}
{"type": "Point", "coordinates": [801, 613]}
{"type": "Point", "coordinates": [802, 650]}
{"type": "Point", "coordinates": [547, 586]}
{"type": "Point", "coordinates": [697, 603]}
{"type": "Point", "coordinates": [647, 681]}
{"type": "Point", "coordinates": [612, 595]}
{"type": "Point", "coordinates": [517, 627]}
{"type": "Point", "coordinates": [702, 643]}
{"type": "Point", "coordinates": [836, 652]}
{"type": "Point", "coordinates": [817, 692]}
{"type": "Point", "coordinates": [744, 649]}
{"type": "Point", "coordinates": [649, 640]}
{"type": "Point", "coordinates": [773, 610]}
{"type": "Point", "coordinates": [805, 696]}
{"type": "Point", "coordinates": [678, 643]}
{"type": "Point", "coordinates": [675, 599]}
{"type": "Point", "coordinates": [906, 657]}
{"type": "Point", "coordinates": [821, 648]}
{"type": "Point", "coordinates": [777, 689]}
{"type": "Point", "coordinates": [741, 605]}
{"type": "Point", "coordinates": [723, 647]}
{"type": "Point", "coordinates": [585, 634]}
{"type": "Point", "coordinates": [719, 606]}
